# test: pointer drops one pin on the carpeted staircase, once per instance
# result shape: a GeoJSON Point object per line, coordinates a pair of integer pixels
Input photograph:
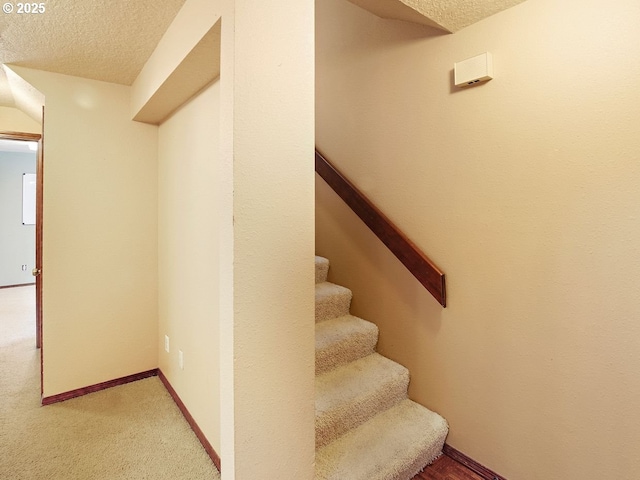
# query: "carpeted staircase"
{"type": "Point", "coordinates": [366, 427]}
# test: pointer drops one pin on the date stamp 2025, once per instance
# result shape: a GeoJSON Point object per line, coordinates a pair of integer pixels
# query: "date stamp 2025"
{"type": "Point", "coordinates": [24, 8]}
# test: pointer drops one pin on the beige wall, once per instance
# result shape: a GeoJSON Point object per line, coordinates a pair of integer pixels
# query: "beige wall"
{"type": "Point", "coordinates": [260, 286]}
{"type": "Point", "coordinates": [100, 234]}
{"type": "Point", "coordinates": [13, 120]}
{"type": "Point", "coordinates": [188, 238]}
{"type": "Point", "coordinates": [267, 141]}
{"type": "Point", "coordinates": [525, 192]}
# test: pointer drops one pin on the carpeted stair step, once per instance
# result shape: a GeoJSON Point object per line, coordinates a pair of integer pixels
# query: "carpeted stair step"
{"type": "Point", "coordinates": [349, 395]}
{"type": "Point", "coordinates": [394, 445]}
{"type": "Point", "coordinates": [331, 301]}
{"type": "Point", "coordinates": [366, 427]}
{"type": "Point", "coordinates": [322, 269]}
{"type": "Point", "coordinates": [342, 340]}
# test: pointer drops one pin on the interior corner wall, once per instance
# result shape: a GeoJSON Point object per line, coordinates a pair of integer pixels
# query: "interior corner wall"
{"type": "Point", "coordinates": [17, 241]}
{"type": "Point", "coordinates": [188, 256]}
{"type": "Point", "coordinates": [100, 234]}
{"type": "Point", "coordinates": [524, 190]}
{"type": "Point", "coordinates": [14, 120]}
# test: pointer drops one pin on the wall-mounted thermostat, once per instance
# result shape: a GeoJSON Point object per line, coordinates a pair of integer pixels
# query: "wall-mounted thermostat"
{"type": "Point", "coordinates": [473, 70]}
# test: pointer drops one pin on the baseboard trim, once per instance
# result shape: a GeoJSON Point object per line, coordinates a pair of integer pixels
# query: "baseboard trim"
{"type": "Point", "coordinates": [470, 463]}
{"type": "Point", "coordinates": [61, 397]}
{"type": "Point", "coordinates": [215, 458]}
{"type": "Point", "coordinates": [18, 285]}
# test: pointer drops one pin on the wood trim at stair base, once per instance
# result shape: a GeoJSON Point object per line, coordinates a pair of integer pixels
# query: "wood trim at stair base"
{"type": "Point", "coordinates": [471, 464]}
{"type": "Point", "coordinates": [215, 458]}
{"type": "Point", "coordinates": [15, 286]}
{"type": "Point", "coordinates": [61, 397]}
{"type": "Point", "coordinates": [404, 249]}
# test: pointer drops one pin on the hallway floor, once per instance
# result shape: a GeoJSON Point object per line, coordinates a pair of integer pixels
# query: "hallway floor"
{"type": "Point", "coordinates": [132, 431]}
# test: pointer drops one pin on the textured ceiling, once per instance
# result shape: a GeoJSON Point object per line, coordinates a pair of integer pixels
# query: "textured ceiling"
{"type": "Point", "coordinates": [107, 40]}
{"type": "Point", "coordinates": [454, 15]}
{"type": "Point", "coordinates": [111, 40]}
{"type": "Point", "coordinates": [448, 15]}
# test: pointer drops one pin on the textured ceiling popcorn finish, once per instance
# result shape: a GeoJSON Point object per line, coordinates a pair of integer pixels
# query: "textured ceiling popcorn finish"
{"type": "Point", "coordinates": [100, 40]}
{"type": "Point", "coordinates": [112, 40]}
{"type": "Point", "coordinates": [448, 15]}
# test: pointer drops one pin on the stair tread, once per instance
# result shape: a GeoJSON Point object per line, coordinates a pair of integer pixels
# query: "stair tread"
{"type": "Point", "coordinates": [393, 445]}
{"type": "Point", "coordinates": [322, 269]}
{"type": "Point", "coordinates": [327, 289]}
{"type": "Point", "coordinates": [342, 340]}
{"type": "Point", "coordinates": [331, 301]}
{"type": "Point", "coordinates": [353, 393]}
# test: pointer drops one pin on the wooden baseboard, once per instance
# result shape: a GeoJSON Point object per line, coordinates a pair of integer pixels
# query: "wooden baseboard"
{"type": "Point", "coordinates": [19, 285]}
{"type": "Point", "coordinates": [190, 420]}
{"type": "Point", "coordinates": [471, 464]}
{"type": "Point", "coordinates": [61, 397]}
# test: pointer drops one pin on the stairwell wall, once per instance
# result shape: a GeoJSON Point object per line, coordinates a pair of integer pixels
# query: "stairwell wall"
{"type": "Point", "coordinates": [524, 191]}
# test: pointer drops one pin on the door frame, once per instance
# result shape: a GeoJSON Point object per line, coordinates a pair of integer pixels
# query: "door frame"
{"type": "Point", "coordinates": [36, 137]}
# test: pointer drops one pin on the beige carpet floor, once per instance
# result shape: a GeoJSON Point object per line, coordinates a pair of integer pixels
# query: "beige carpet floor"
{"type": "Point", "coordinates": [130, 432]}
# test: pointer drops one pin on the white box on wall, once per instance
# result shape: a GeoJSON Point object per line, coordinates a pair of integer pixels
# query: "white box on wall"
{"type": "Point", "coordinates": [473, 70]}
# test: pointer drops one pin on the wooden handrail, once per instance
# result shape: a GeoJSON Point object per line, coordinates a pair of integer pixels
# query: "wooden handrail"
{"type": "Point", "coordinates": [404, 249]}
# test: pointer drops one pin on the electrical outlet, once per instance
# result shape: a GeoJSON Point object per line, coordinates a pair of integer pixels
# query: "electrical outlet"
{"type": "Point", "coordinates": [24, 268]}
{"type": "Point", "coordinates": [181, 359]}
{"type": "Point", "coordinates": [166, 343]}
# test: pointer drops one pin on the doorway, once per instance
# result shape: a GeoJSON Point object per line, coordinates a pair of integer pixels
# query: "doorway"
{"type": "Point", "coordinates": [17, 143]}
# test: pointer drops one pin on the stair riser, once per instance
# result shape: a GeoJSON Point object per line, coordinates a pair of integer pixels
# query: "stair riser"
{"type": "Point", "coordinates": [336, 306]}
{"type": "Point", "coordinates": [332, 424]}
{"type": "Point", "coordinates": [322, 269]}
{"type": "Point", "coordinates": [355, 347]}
